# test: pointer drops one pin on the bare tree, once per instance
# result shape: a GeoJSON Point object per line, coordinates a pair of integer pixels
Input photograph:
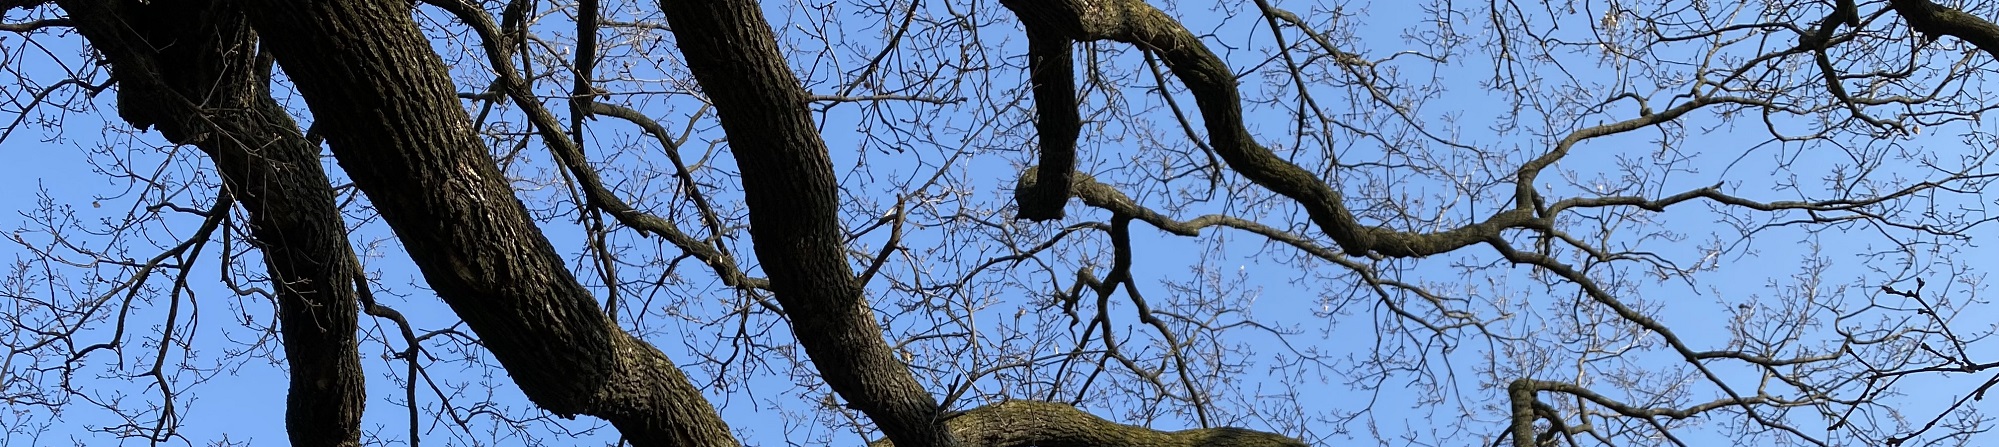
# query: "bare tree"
{"type": "Point", "coordinates": [1500, 223]}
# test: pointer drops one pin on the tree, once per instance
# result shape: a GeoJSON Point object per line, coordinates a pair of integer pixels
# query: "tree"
{"type": "Point", "coordinates": [1527, 208]}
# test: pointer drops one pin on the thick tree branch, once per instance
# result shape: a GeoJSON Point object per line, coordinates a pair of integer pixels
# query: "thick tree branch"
{"type": "Point", "coordinates": [1934, 20]}
{"type": "Point", "coordinates": [35, 25]}
{"type": "Point", "coordinates": [1051, 67]}
{"type": "Point", "coordinates": [792, 193]}
{"type": "Point", "coordinates": [190, 70]}
{"type": "Point", "coordinates": [1048, 424]}
{"type": "Point", "coordinates": [389, 114]}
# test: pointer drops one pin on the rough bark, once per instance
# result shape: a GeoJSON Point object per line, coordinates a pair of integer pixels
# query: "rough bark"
{"type": "Point", "coordinates": [791, 190]}
{"type": "Point", "coordinates": [190, 70]}
{"type": "Point", "coordinates": [391, 118]}
{"type": "Point", "coordinates": [1048, 424]}
{"type": "Point", "coordinates": [1520, 399]}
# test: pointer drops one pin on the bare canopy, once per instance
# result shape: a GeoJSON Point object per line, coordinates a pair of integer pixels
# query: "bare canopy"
{"type": "Point", "coordinates": [1607, 223]}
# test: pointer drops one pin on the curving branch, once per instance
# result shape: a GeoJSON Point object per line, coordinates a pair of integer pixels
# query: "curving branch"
{"type": "Point", "coordinates": [1215, 93]}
